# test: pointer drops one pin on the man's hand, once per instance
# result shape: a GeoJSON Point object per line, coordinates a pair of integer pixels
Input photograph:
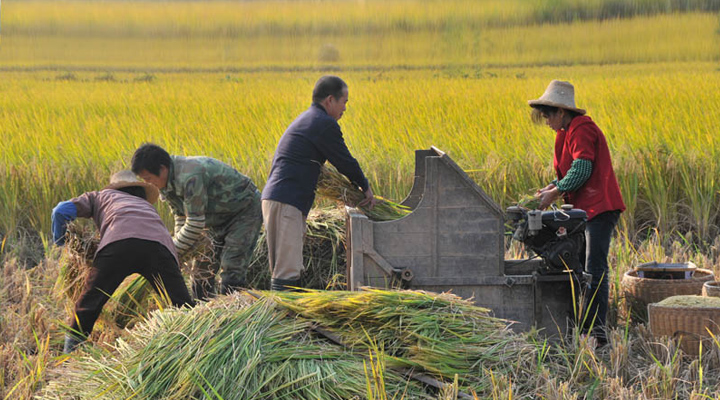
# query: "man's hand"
{"type": "Point", "coordinates": [369, 199]}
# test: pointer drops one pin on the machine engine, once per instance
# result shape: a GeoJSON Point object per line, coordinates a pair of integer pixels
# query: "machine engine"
{"type": "Point", "coordinates": [557, 236]}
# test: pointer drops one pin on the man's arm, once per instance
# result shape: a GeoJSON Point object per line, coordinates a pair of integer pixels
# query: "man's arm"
{"type": "Point", "coordinates": [333, 147]}
{"type": "Point", "coordinates": [194, 202]}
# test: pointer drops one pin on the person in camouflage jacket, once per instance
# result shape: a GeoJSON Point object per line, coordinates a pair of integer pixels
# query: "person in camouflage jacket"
{"type": "Point", "coordinates": [206, 195]}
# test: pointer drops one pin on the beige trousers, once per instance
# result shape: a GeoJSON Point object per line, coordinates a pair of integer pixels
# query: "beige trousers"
{"type": "Point", "coordinates": [285, 233]}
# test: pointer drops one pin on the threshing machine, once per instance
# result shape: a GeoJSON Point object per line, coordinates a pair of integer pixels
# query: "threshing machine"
{"type": "Point", "coordinates": [454, 240]}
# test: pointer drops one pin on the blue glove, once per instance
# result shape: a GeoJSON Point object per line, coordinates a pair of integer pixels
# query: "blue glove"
{"type": "Point", "coordinates": [63, 213]}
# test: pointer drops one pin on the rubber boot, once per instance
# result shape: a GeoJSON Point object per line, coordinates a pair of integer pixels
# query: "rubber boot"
{"type": "Point", "coordinates": [285, 284]}
{"type": "Point", "coordinates": [71, 343]}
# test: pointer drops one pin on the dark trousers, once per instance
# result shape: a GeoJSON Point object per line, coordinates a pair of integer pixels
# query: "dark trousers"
{"type": "Point", "coordinates": [598, 233]}
{"type": "Point", "coordinates": [114, 263]}
{"type": "Point", "coordinates": [233, 247]}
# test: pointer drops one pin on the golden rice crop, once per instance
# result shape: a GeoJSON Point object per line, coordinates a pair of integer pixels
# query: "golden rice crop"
{"type": "Point", "coordinates": [67, 137]}
{"type": "Point", "coordinates": [224, 35]}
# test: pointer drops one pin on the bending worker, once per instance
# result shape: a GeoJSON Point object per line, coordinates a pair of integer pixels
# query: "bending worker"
{"type": "Point", "coordinates": [308, 142]}
{"type": "Point", "coordinates": [585, 179]}
{"type": "Point", "coordinates": [133, 239]}
{"type": "Point", "coordinates": [205, 193]}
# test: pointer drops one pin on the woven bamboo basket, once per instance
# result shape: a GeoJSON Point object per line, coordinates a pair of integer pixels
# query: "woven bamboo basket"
{"type": "Point", "coordinates": [689, 325]}
{"type": "Point", "coordinates": [639, 292]}
{"type": "Point", "coordinates": [711, 289]}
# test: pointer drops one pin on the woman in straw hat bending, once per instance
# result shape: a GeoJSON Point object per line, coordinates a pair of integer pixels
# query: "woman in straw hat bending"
{"type": "Point", "coordinates": [133, 239]}
{"type": "Point", "coordinates": [585, 178]}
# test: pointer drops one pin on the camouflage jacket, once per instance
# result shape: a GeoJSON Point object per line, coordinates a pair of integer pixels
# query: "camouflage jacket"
{"type": "Point", "coordinates": [203, 192]}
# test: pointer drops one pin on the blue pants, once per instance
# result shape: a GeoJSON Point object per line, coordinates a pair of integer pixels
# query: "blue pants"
{"type": "Point", "coordinates": [598, 233]}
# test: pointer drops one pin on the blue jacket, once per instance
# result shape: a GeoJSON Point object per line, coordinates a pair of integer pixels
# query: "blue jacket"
{"type": "Point", "coordinates": [313, 138]}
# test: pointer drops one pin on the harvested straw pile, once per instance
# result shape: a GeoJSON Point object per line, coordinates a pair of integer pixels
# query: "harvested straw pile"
{"type": "Point", "coordinates": [335, 186]}
{"type": "Point", "coordinates": [323, 252]}
{"type": "Point", "coordinates": [439, 334]}
{"type": "Point", "coordinates": [230, 349]}
{"type": "Point", "coordinates": [268, 348]}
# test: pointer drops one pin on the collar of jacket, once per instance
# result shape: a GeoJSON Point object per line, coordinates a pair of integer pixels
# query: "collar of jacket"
{"type": "Point", "coordinates": [320, 107]}
{"type": "Point", "coordinates": [170, 184]}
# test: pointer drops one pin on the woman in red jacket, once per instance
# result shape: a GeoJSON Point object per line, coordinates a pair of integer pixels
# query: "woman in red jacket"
{"type": "Point", "coordinates": [585, 179]}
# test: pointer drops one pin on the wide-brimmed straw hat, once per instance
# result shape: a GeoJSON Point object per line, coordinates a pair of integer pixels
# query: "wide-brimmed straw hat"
{"type": "Point", "coordinates": [126, 178]}
{"type": "Point", "coordinates": [558, 94]}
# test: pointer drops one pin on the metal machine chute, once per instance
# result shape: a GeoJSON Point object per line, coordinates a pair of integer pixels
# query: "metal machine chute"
{"type": "Point", "coordinates": [454, 240]}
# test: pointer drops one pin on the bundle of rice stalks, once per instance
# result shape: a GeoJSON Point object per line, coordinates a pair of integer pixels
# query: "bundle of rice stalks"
{"type": "Point", "coordinates": [439, 334]}
{"type": "Point", "coordinates": [335, 186]}
{"type": "Point", "coordinates": [81, 243]}
{"type": "Point", "coordinates": [131, 302]}
{"type": "Point", "coordinates": [227, 349]}
{"type": "Point", "coordinates": [203, 251]}
{"type": "Point", "coordinates": [323, 252]}
{"type": "Point", "coordinates": [529, 201]}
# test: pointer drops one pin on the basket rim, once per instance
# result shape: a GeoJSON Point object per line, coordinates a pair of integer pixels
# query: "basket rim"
{"type": "Point", "coordinates": [656, 266]}
{"type": "Point", "coordinates": [705, 273]}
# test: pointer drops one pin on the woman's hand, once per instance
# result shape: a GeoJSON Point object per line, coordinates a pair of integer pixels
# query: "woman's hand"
{"type": "Point", "coordinates": [545, 189]}
{"type": "Point", "coordinates": [547, 195]}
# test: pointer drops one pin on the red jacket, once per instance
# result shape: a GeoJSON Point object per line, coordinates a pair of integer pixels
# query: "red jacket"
{"type": "Point", "coordinates": [601, 192]}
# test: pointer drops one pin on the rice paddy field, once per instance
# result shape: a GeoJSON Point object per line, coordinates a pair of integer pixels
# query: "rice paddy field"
{"type": "Point", "coordinates": [85, 83]}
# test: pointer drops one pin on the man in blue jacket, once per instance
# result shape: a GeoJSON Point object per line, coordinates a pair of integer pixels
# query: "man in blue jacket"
{"type": "Point", "coordinates": [313, 138]}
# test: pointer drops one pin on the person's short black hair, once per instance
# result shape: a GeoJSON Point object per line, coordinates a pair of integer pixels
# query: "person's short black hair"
{"type": "Point", "coordinates": [149, 157]}
{"type": "Point", "coordinates": [138, 191]}
{"type": "Point", "coordinates": [328, 85]}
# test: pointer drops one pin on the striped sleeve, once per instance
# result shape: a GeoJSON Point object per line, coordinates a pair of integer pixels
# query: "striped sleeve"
{"type": "Point", "coordinates": [577, 175]}
{"type": "Point", "coordinates": [179, 223]}
{"type": "Point", "coordinates": [189, 234]}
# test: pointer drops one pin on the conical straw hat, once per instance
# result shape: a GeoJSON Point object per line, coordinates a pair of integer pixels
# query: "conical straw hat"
{"type": "Point", "coordinates": [558, 94]}
{"type": "Point", "coordinates": [126, 178]}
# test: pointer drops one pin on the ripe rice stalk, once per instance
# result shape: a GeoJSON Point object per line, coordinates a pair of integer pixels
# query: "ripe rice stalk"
{"type": "Point", "coordinates": [335, 186]}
